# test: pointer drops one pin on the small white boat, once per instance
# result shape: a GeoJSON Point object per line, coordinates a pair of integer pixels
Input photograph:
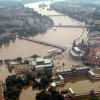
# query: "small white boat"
{"type": "Point", "coordinates": [55, 28]}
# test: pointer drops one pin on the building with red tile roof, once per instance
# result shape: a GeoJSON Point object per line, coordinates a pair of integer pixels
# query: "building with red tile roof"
{"type": "Point", "coordinates": [1, 93]}
{"type": "Point", "coordinates": [94, 55]}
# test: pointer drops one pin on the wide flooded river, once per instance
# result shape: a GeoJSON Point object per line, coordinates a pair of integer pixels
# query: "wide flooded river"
{"type": "Point", "coordinates": [62, 36]}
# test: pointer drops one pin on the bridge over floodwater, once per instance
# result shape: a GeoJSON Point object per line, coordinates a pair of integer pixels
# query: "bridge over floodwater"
{"type": "Point", "coordinates": [55, 15]}
{"type": "Point", "coordinates": [43, 42]}
{"type": "Point", "coordinates": [73, 26]}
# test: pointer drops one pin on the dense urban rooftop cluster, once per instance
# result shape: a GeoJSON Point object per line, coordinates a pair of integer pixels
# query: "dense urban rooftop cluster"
{"type": "Point", "coordinates": [17, 20]}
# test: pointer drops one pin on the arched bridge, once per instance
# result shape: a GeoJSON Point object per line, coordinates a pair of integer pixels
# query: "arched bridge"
{"type": "Point", "coordinates": [43, 42]}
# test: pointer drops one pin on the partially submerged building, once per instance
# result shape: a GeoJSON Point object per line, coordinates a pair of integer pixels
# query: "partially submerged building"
{"type": "Point", "coordinates": [21, 69]}
{"type": "Point", "coordinates": [73, 72]}
{"type": "Point", "coordinates": [76, 53]}
{"type": "Point", "coordinates": [41, 64]}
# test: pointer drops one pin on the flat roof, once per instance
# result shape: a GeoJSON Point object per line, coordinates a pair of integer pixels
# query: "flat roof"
{"type": "Point", "coordinates": [20, 67]}
{"type": "Point", "coordinates": [39, 60]}
{"type": "Point", "coordinates": [77, 49]}
{"type": "Point", "coordinates": [48, 65]}
{"type": "Point", "coordinates": [71, 91]}
{"type": "Point", "coordinates": [33, 62]}
{"type": "Point", "coordinates": [60, 77]}
{"type": "Point", "coordinates": [46, 61]}
{"type": "Point", "coordinates": [90, 72]}
{"type": "Point", "coordinates": [39, 66]}
{"type": "Point", "coordinates": [13, 63]}
{"type": "Point", "coordinates": [53, 84]}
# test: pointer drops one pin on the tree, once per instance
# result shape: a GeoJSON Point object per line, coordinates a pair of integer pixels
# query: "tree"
{"type": "Point", "coordinates": [28, 76]}
{"type": "Point", "coordinates": [18, 59]}
{"type": "Point", "coordinates": [35, 84]}
{"type": "Point", "coordinates": [57, 97]}
{"type": "Point", "coordinates": [16, 91]}
{"type": "Point", "coordinates": [9, 83]}
{"type": "Point", "coordinates": [43, 96]}
{"type": "Point", "coordinates": [19, 80]}
{"type": "Point", "coordinates": [26, 81]}
{"type": "Point", "coordinates": [34, 56]}
{"type": "Point", "coordinates": [49, 75]}
{"type": "Point", "coordinates": [39, 75]}
{"type": "Point", "coordinates": [4, 92]}
{"type": "Point", "coordinates": [33, 79]}
{"type": "Point", "coordinates": [44, 80]}
{"type": "Point", "coordinates": [9, 94]}
{"type": "Point", "coordinates": [19, 85]}
{"type": "Point", "coordinates": [26, 62]}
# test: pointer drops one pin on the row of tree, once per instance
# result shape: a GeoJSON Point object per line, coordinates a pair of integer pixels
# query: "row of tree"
{"type": "Point", "coordinates": [6, 40]}
{"type": "Point", "coordinates": [44, 81]}
{"type": "Point", "coordinates": [53, 95]}
{"type": "Point", "coordinates": [14, 84]}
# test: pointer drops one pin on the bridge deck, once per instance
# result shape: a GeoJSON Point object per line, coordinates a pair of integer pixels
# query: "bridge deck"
{"type": "Point", "coordinates": [45, 43]}
{"type": "Point", "coordinates": [74, 26]}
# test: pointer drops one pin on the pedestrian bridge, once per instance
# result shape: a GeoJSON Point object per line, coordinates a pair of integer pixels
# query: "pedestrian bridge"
{"type": "Point", "coordinates": [73, 26]}
{"type": "Point", "coordinates": [43, 42]}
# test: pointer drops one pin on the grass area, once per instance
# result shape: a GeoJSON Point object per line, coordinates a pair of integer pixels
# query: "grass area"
{"type": "Point", "coordinates": [93, 67]}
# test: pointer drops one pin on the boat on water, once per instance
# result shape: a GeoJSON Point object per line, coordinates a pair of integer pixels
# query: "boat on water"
{"type": "Point", "coordinates": [55, 28]}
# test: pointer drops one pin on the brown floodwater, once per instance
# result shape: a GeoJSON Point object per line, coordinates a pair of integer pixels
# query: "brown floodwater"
{"type": "Point", "coordinates": [62, 36]}
{"type": "Point", "coordinates": [81, 85]}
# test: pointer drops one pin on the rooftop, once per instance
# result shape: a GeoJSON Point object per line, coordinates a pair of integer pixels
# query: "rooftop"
{"type": "Point", "coordinates": [60, 77]}
{"type": "Point", "coordinates": [53, 84]}
{"type": "Point", "coordinates": [90, 72]}
{"type": "Point", "coordinates": [77, 49]}
{"type": "Point", "coordinates": [20, 68]}
{"type": "Point", "coordinates": [41, 66]}
{"type": "Point", "coordinates": [33, 63]}
{"type": "Point", "coordinates": [81, 68]}
{"type": "Point", "coordinates": [46, 61]}
{"type": "Point", "coordinates": [71, 91]}
{"type": "Point", "coordinates": [39, 60]}
{"type": "Point", "coordinates": [13, 63]}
